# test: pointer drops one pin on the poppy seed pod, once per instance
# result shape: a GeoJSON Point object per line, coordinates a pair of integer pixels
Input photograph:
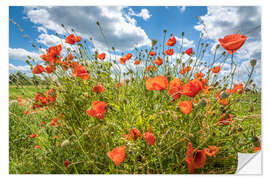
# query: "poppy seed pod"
{"type": "Point", "coordinates": [154, 42]}
{"type": "Point", "coordinates": [253, 62]}
{"type": "Point", "coordinates": [65, 143]}
{"type": "Point", "coordinates": [203, 102]}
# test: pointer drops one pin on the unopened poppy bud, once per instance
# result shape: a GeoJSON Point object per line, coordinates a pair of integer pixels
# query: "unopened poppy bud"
{"type": "Point", "coordinates": [154, 42]}
{"type": "Point", "coordinates": [164, 30]}
{"type": "Point", "coordinates": [253, 62]}
{"type": "Point", "coordinates": [217, 46]}
{"type": "Point", "coordinates": [202, 44]}
{"type": "Point", "coordinates": [224, 95]}
{"type": "Point", "coordinates": [113, 48]}
{"type": "Point", "coordinates": [206, 45]}
{"type": "Point", "coordinates": [223, 53]}
{"type": "Point", "coordinates": [183, 33]}
{"type": "Point", "coordinates": [62, 25]}
{"type": "Point", "coordinates": [65, 143]}
{"type": "Point", "coordinates": [203, 102]}
{"type": "Point", "coordinates": [97, 23]}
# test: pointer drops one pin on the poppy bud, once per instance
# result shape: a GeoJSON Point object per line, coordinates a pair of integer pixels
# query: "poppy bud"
{"type": "Point", "coordinates": [97, 23]}
{"type": "Point", "coordinates": [223, 53]}
{"type": "Point", "coordinates": [203, 102]}
{"type": "Point", "coordinates": [62, 25]}
{"type": "Point", "coordinates": [224, 95]}
{"type": "Point", "coordinates": [154, 42]}
{"type": "Point", "coordinates": [183, 33]}
{"type": "Point", "coordinates": [202, 44]}
{"type": "Point", "coordinates": [65, 143]}
{"type": "Point", "coordinates": [164, 30]}
{"type": "Point", "coordinates": [253, 62]}
{"type": "Point", "coordinates": [217, 46]}
{"type": "Point", "coordinates": [206, 45]}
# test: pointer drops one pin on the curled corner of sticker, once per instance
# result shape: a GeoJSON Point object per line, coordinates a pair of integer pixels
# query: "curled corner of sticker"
{"type": "Point", "coordinates": [249, 163]}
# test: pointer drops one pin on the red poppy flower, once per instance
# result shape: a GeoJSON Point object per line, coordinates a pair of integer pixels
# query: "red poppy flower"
{"type": "Point", "coordinates": [185, 106]}
{"type": "Point", "coordinates": [134, 133]}
{"type": "Point", "coordinates": [33, 135]}
{"type": "Point", "coordinates": [256, 149]}
{"type": "Point", "coordinates": [37, 147]}
{"type": "Point", "coordinates": [150, 138]}
{"type": "Point", "coordinates": [136, 62]}
{"type": "Point", "coordinates": [233, 42]}
{"type": "Point", "coordinates": [117, 155]}
{"type": "Point", "coordinates": [98, 88]}
{"type": "Point", "coordinates": [118, 85]}
{"type": "Point", "coordinates": [169, 52]}
{"type": "Point", "coordinates": [192, 88]}
{"type": "Point", "coordinates": [102, 56]}
{"type": "Point", "coordinates": [65, 65]}
{"type": "Point", "coordinates": [151, 68]}
{"type": "Point", "coordinates": [171, 41]}
{"type": "Point", "coordinates": [26, 112]}
{"type": "Point", "coordinates": [125, 58]}
{"type": "Point", "coordinates": [158, 61]}
{"type": "Point", "coordinates": [51, 95]}
{"type": "Point", "coordinates": [49, 69]}
{"type": "Point", "coordinates": [185, 70]}
{"type": "Point", "coordinates": [66, 163]}
{"type": "Point", "coordinates": [38, 69]}
{"type": "Point", "coordinates": [152, 53]}
{"type": "Point", "coordinates": [72, 39]}
{"type": "Point", "coordinates": [174, 88]}
{"type": "Point", "coordinates": [70, 57]}
{"type": "Point", "coordinates": [53, 54]}
{"type": "Point", "coordinates": [199, 75]}
{"type": "Point", "coordinates": [41, 98]}
{"type": "Point", "coordinates": [195, 160]}
{"type": "Point", "coordinates": [98, 109]}
{"type": "Point", "coordinates": [157, 83]}
{"type": "Point", "coordinates": [80, 71]}
{"type": "Point", "coordinates": [211, 151]}
{"type": "Point", "coordinates": [226, 119]}
{"type": "Point", "coordinates": [238, 88]}
{"type": "Point", "coordinates": [215, 69]}
{"type": "Point", "coordinates": [189, 51]}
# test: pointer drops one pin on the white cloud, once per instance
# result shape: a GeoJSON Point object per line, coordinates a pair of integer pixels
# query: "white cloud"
{"type": "Point", "coordinates": [120, 29]}
{"type": "Point", "coordinates": [221, 21]}
{"type": "Point", "coordinates": [25, 68]}
{"type": "Point", "coordinates": [22, 54]}
{"type": "Point", "coordinates": [186, 43]}
{"type": "Point", "coordinates": [144, 13]}
{"type": "Point", "coordinates": [182, 9]}
{"type": "Point", "coordinates": [49, 39]}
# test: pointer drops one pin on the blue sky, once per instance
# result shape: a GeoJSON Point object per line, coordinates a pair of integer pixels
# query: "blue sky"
{"type": "Point", "coordinates": [130, 27]}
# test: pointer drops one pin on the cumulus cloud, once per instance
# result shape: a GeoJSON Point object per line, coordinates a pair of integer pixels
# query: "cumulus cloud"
{"type": "Point", "coordinates": [186, 42]}
{"type": "Point", "coordinates": [221, 21]}
{"type": "Point", "coordinates": [22, 54]}
{"type": "Point", "coordinates": [143, 14]}
{"type": "Point", "coordinates": [119, 28]}
{"type": "Point", "coordinates": [25, 68]}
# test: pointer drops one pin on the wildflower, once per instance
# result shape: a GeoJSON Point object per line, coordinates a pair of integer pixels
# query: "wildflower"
{"type": "Point", "coordinates": [195, 160]}
{"type": "Point", "coordinates": [41, 99]}
{"type": "Point", "coordinates": [33, 135]}
{"type": "Point", "coordinates": [134, 133]}
{"type": "Point", "coordinates": [226, 119]}
{"type": "Point", "coordinates": [238, 88]}
{"type": "Point", "coordinates": [256, 149]}
{"type": "Point", "coordinates": [171, 41]}
{"type": "Point", "coordinates": [232, 42]}
{"type": "Point", "coordinates": [37, 147]}
{"type": "Point", "coordinates": [98, 88]}
{"type": "Point", "coordinates": [70, 57]}
{"type": "Point", "coordinates": [125, 58]}
{"type": "Point", "coordinates": [118, 85]}
{"type": "Point", "coordinates": [185, 70]}
{"type": "Point", "coordinates": [150, 138]}
{"type": "Point", "coordinates": [189, 51]}
{"type": "Point", "coordinates": [215, 69]}
{"type": "Point", "coordinates": [174, 88]}
{"type": "Point", "coordinates": [151, 68]}
{"type": "Point", "coordinates": [152, 53]}
{"type": "Point", "coordinates": [38, 69]}
{"type": "Point", "coordinates": [192, 88]}
{"type": "Point", "coordinates": [80, 71]}
{"type": "Point", "coordinates": [136, 62]}
{"type": "Point", "coordinates": [211, 151]}
{"type": "Point", "coordinates": [117, 155]}
{"type": "Point", "coordinates": [72, 39]}
{"type": "Point", "coordinates": [49, 69]}
{"type": "Point", "coordinates": [157, 83]}
{"type": "Point", "coordinates": [98, 109]}
{"type": "Point", "coordinates": [53, 54]}
{"type": "Point", "coordinates": [158, 61]}
{"type": "Point", "coordinates": [185, 106]}
{"type": "Point", "coordinates": [102, 56]}
{"type": "Point", "coordinates": [42, 123]}
{"type": "Point", "coordinates": [51, 95]}
{"type": "Point", "coordinates": [26, 112]}
{"type": "Point", "coordinates": [199, 75]}
{"type": "Point", "coordinates": [169, 52]}
{"type": "Point", "coordinates": [66, 163]}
